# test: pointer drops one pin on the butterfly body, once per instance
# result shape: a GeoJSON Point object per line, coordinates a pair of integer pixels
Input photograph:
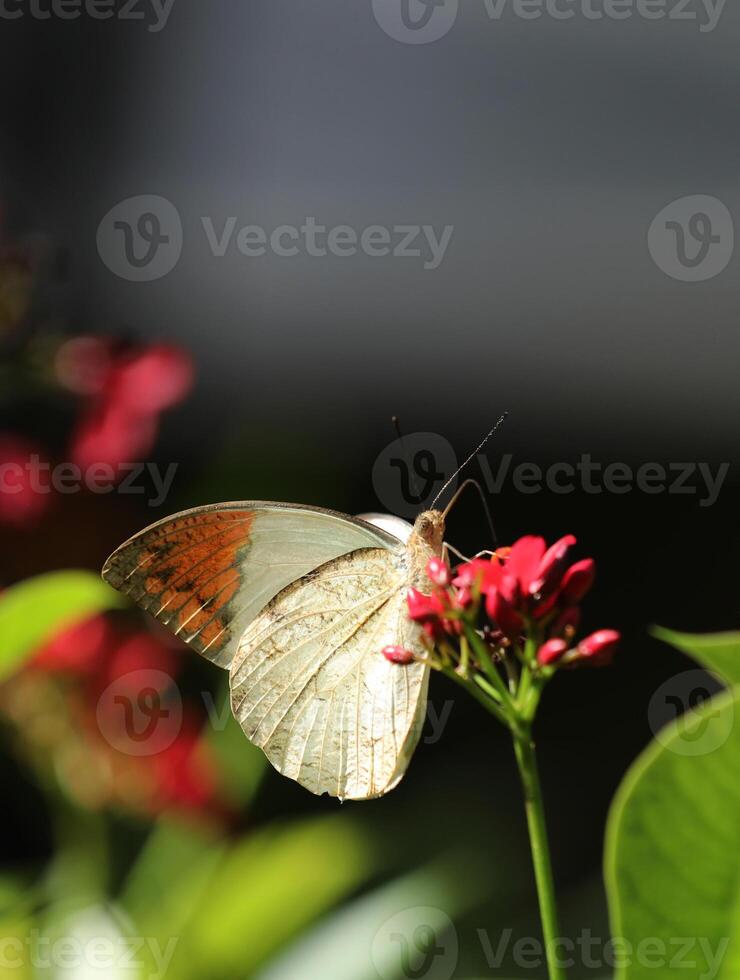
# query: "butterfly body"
{"type": "Point", "coordinates": [298, 604]}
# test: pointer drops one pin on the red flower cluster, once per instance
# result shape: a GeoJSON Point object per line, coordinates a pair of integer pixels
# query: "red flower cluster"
{"type": "Point", "coordinates": [527, 589]}
{"type": "Point", "coordinates": [107, 668]}
{"type": "Point", "coordinates": [127, 394]}
{"type": "Point", "coordinates": [124, 397]}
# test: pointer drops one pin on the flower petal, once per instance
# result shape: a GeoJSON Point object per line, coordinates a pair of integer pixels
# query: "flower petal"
{"type": "Point", "coordinates": [524, 559]}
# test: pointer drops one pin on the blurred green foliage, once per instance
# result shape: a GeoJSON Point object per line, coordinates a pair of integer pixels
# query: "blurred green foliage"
{"type": "Point", "coordinates": [33, 611]}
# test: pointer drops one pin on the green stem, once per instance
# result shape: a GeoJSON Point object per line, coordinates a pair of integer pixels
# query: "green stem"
{"type": "Point", "coordinates": [484, 695]}
{"type": "Point", "coordinates": [489, 668]}
{"type": "Point", "coordinates": [526, 760]}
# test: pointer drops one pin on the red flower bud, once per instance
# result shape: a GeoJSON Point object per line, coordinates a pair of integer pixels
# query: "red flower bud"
{"type": "Point", "coordinates": [463, 598]}
{"type": "Point", "coordinates": [438, 572]}
{"type": "Point", "coordinates": [577, 581]}
{"type": "Point", "coordinates": [398, 655]}
{"type": "Point", "coordinates": [552, 566]}
{"type": "Point", "coordinates": [478, 573]}
{"type": "Point", "coordinates": [501, 611]}
{"type": "Point", "coordinates": [510, 590]}
{"type": "Point", "coordinates": [599, 648]}
{"type": "Point", "coordinates": [549, 653]}
{"type": "Point", "coordinates": [524, 559]}
{"type": "Point", "coordinates": [423, 607]}
{"type": "Point", "coordinates": [545, 606]}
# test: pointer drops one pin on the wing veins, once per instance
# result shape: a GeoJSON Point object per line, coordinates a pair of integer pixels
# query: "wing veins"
{"type": "Point", "coordinates": [314, 673]}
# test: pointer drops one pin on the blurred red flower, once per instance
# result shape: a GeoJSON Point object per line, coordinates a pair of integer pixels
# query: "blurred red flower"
{"type": "Point", "coordinates": [185, 772]}
{"type": "Point", "coordinates": [140, 651]}
{"type": "Point", "coordinates": [122, 422]}
{"type": "Point", "coordinates": [151, 381]}
{"type": "Point", "coordinates": [79, 649]}
{"type": "Point", "coordinates": [110, 437]}
{"type": "Point", "coordinates": [104, 665]}
{"type": "Point", "coordinates": [22, 504]}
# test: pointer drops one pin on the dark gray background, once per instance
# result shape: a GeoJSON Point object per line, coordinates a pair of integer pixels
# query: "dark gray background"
{"type": "Point", "coordinates": [550, 146]}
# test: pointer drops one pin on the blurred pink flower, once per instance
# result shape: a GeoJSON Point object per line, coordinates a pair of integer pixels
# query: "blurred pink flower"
{"type": "Point", "coordinates": [122, 422]}
{"type": "Point", "coordinates": [21, 503]}
{"type": "Point", "coordinates": [111, 437]}
{"type": "Point", "coordinates": [151, 381]}
{"type": "Point", "coordinates": [134, 653]}
{"type": "Point", "coordinates": [186, 772]}
{"type": "Point", "coordinates": [183, 775]}
{"type": "Point", "coordinates": [78, 650]}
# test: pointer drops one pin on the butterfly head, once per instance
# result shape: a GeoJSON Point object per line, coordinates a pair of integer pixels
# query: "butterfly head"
{"type": "Point", "coordinates": [429, 528]}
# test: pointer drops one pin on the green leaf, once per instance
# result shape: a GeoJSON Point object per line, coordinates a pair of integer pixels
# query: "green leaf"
{"type": "Point", "coordinates": [673, 850]}
{"type": "Point", "coordinates": [242, 765]}
{"type": "Point", "coordinates": [719, 652]}
{"type": "Point", "coordinates": [361, 940]}
{"type": "Point", "coordinates": [265, 890]}
{"type": "Point", "coordinates": [165, 888]}
{"type": "Point", "coordinates": [33, 611]}
{"type": "Point", "coordinates": [174, 851]}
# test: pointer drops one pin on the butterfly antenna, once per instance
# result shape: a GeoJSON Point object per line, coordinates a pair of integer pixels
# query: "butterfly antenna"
{"type": "Point", "coordinates": [470, 482]}
{"type": "Point", "coordinates": [412, 474]}
{"type": "Point", "coordinates": [471, 457]}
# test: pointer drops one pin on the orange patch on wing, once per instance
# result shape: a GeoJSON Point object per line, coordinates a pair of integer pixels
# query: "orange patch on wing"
{"type": "Point", "coordinates": [187, 571]}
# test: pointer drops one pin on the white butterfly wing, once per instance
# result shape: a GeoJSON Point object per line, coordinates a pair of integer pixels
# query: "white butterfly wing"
{"type": "Point", "coordinates": [311, 687]}
{"type": "Point", "coordinates": [206, 573]}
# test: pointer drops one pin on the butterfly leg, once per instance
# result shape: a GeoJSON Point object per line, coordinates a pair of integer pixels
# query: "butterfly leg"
{"type": "Point", "coordinates": [448, 549]}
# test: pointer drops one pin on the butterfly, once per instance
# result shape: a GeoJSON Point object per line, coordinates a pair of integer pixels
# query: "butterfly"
{"type": "Point", "coordinates": [298, 603]}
